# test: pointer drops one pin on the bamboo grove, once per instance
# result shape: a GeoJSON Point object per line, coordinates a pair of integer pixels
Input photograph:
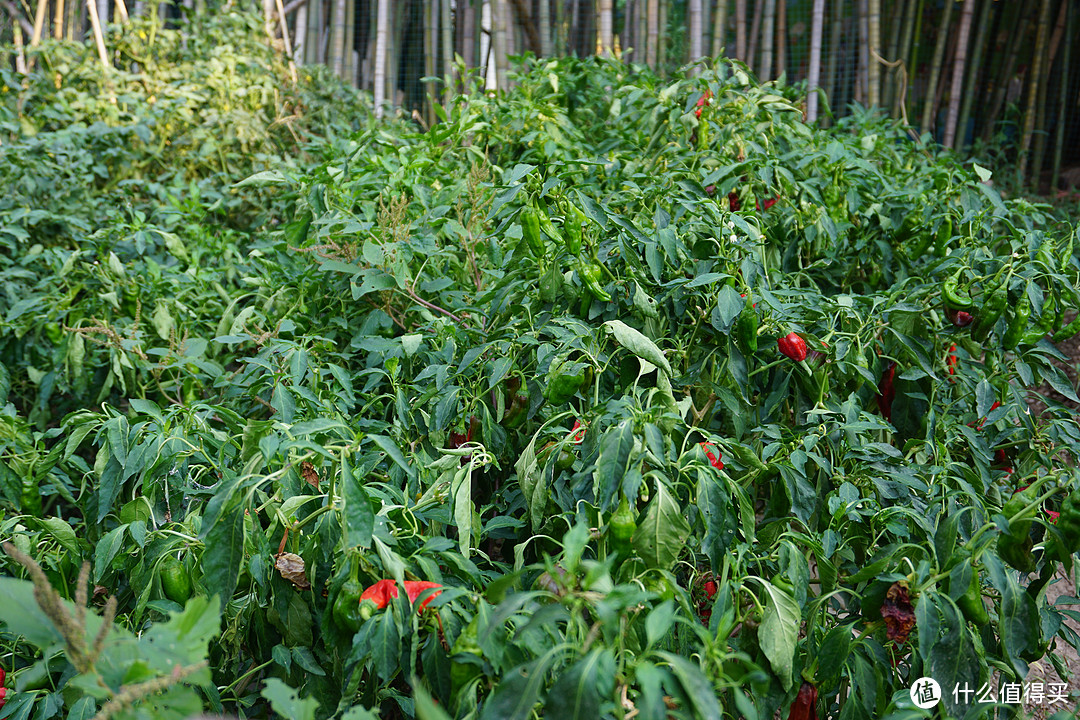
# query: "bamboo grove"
{"type": "Point", "coordinates": [974, 73]}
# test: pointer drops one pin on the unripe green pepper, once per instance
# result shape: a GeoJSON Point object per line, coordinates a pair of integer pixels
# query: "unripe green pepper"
{"type": "Point", "coordinates": [1014, 546]}
{"type": "Point", "coordinates": [955, 298]}
{"type": "Point", "coordinates": [346, 609]}
{"type": "Point", "coordinates": [944, 235]}
{"type": "Point", "coordinates": [621, 528]}
{"type": "Point", "coordinates": [530, 230]}
{"type": "Point", "coordinates": [1068, 331]}
{"type": "Point", "coordinates": [574, 226]}
{"type": "Point", "coordinates": [564, 380]}
{"type": "Point", "coordinates": [175, 582]}
{"type": "Point", "coordinates": [989, 314]}
{"type": "Point", "coordinates": [971, 602]}
{"type": "Point", "coordinates": [1068, 524]}
{"type": "Point", "coordinates": [591, 276]}
{"type": "Point", "coordinates": [746, 328]}
{"type": "Point", "coordinates": [1018, 323]}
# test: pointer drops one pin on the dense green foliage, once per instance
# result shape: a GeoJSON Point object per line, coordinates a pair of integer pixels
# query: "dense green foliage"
{"type": "Point", "coordinates": [244, 346]}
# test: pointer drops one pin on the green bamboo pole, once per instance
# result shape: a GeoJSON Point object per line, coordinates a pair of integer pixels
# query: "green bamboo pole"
{"type": "Point", "coordinates": [661, 47]}
{"type": "Point", "coordinates": [963, 39]}
{"type": "Point", "coordinates": [1063, 98]}
{"type": "Point", "coordinates": [752, 39]}
{"type": "Point", "coordinates": [892, 51]}
{"type": "Point", "coordinates": [813, 76]}
{"type": "Point", "coordinates": [1041, 35]}
{"type": "Point", "coordinates": [930, 105]}
{"type": "Point", "coordinates": [972, 84]}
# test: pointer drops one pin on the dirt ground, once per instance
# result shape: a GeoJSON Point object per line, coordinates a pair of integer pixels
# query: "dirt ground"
{"type": "Point", "coordinates": [1062, 590]}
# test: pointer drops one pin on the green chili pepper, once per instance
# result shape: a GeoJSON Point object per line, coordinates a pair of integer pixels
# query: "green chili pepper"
{"type": "Point", "coordinates": [1068, 524]}
{"type": "Point", "coordinates": [1014, 546]}
{"type": "Point", "coordinates": [1068, 331]}
{"type": "Point", "coordinates": [989, 314]}
{"type": "Point", "coordinates": [955, 298]}
{"type": "Point", "coordinates": [573, 223]}
{"type": "Point", "coordinates": [547, 226]}
{"type": "Point", "coordinates": [621, 528]}
{"type": "Point", "coordinates": [971, 602]}
{"type": "Point", "coordinates": [591, 275]}
{"type": "Point", "coordinates": [944, 236]}
{"type": "Point", "coordinates": [530, 229]}
{"type": "Point", "coordinates": [30, 497]}
{"type": "Point", "coordinates": [1018, 323]}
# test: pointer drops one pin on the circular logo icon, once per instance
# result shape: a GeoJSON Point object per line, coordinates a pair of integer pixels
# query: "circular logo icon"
{"type": "Point", "coordinates": [925, 693]}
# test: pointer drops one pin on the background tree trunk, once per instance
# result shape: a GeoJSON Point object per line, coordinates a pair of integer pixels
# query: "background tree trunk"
{"type": "Point", "coordinates": [498, 39]}
{"type": "Point", "coordinates": [874, 50]}
{"type": "Point", "coordinates": [752, 42]}
{"type": "Point", "coordinates": [1063, 100]}
{"type": "Point", "coordinates": [605, 28]}
{"type": "Point", "coordinates": [653, 24]}
{"type": "Point", "coordinates": [544, 23]}
{"type": "Point", "coordinates": [972, 86]}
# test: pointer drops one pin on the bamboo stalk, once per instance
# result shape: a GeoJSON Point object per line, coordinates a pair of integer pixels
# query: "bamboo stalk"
{"type": "Point", "coordinates": [382, 40]}
{"type": "Point", "coordinates": [695, 27]}
{"type": "Point", "coordinates": [905, 49]}
{"type": "Point", "coordinates": [1041, 35]}
{"type": "Point", "coordinates": [892, 50]}
{"type": "Point", "coordinates": [817, 23]}
{"type": "Point", "coordinates": [661, 45]}
{"type": "Point", "coordinates": [58, 20]}
{"type": "Point", "coordinates": [285, 39]}
{"type": "Point", "coordinates": [431, 46]}
{"type": "Point", "coordinates": [20, 55]}
{"type": "Point", "coordinates": [39, 25]}
{"type": "Point", "coordinates": [963, 39]}
{"type": "Point", "coordinates": [1044, 88]}
{"type": "Point", "coordinates": [719, 27]}
{"type": "Point", "coordinates": [99, 39]}
{"type": "Point", "coordinates": [863, 45]}
{"type": "Point", "coordinates": [935, 70]}
{"type": "Point", "coordinates": [447, 51]}
{"type": "Point", "coordinates": [1063, 99]}
{"type": "Point", "coordinates": [972, 84]}
{"type": "Point", "coordinates": [605, 26]}
{"type": "Point", "coordinates": [1005, 76]}
{"type": "Point", "coordinates": [337, 38]}
{"type": "Point", "coordinates": [781, 37]}
{"type": "Point", "coordinates": [768, 29]}
{"type": "Point", "coordinates": [873, 69]}
{"type": "Point", "coordinates": [544, 21]}
{"type": "Point", "coordinates": [120, 13]}
{"type": "Point", "coordinates": [752, 41]}
{"type": "Point", "coordinates": [740, 31]}
{"type": "Point", "coordinates": [831, 75]}
{"type": "Point", "coordinates": [498, 38]}
{"type": "Point", "coordinates": [652, 40]}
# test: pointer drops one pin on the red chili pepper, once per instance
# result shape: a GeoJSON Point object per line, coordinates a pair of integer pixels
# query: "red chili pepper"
{"type": "Point", "coordinates": [793, 347]}
{"type": "Point", "coordinates": [714, 460]}
{"type": "Point", "coordinates": [1054, 515]}
{"type": "Point", "coordinates": [733, 201]}
{"type": "Point", "coordinates": [951, 361]}
{"type": "Point", "coordinates": [805, 705]}
{"type": "Point", "coordinates": [982, 422]}
{"type": "Point", "coordinates": [710, 589]}
{"type": "Point", "coordinates": [887, 392]}
{"type": "Point", "coordinates": [414, 588]}
{"type": "Point", "coordinates": [767, 204]}
{"type": "Point", "coordinates": [702, 102]}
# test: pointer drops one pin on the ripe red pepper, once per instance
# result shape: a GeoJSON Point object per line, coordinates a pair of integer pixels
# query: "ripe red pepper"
{"type": "Point", "coordinates": [767, 204]}
{"type": "Point", "coordinates": [982, 422]}
{"type": "Point", "coordinates": [887, 392]}
{"type": "Point", "coordinates": [382, 592]}
{"type": "Point", "coordinates": [710, 589]}
{"type": "Point", "coordinates": [951, 361]}
{"type": "Point", "coordinates": [805, 705]}
{"type": "Point", "coordinates": [579, 433]}
{"type": "Point", "coordinates": [702, 102]}
{"type": "Point", "coordinates": [959, 318]}
{"type": "Point", "coordinates": [733, 201]}
{"type": "Point", "coordinates": [714, 460]}
{"type": "Point", "coordinates": [793, 347]}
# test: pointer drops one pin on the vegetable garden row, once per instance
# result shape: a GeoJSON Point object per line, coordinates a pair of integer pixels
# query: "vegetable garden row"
{"type": "Point", "coordinates": [610, 396]}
